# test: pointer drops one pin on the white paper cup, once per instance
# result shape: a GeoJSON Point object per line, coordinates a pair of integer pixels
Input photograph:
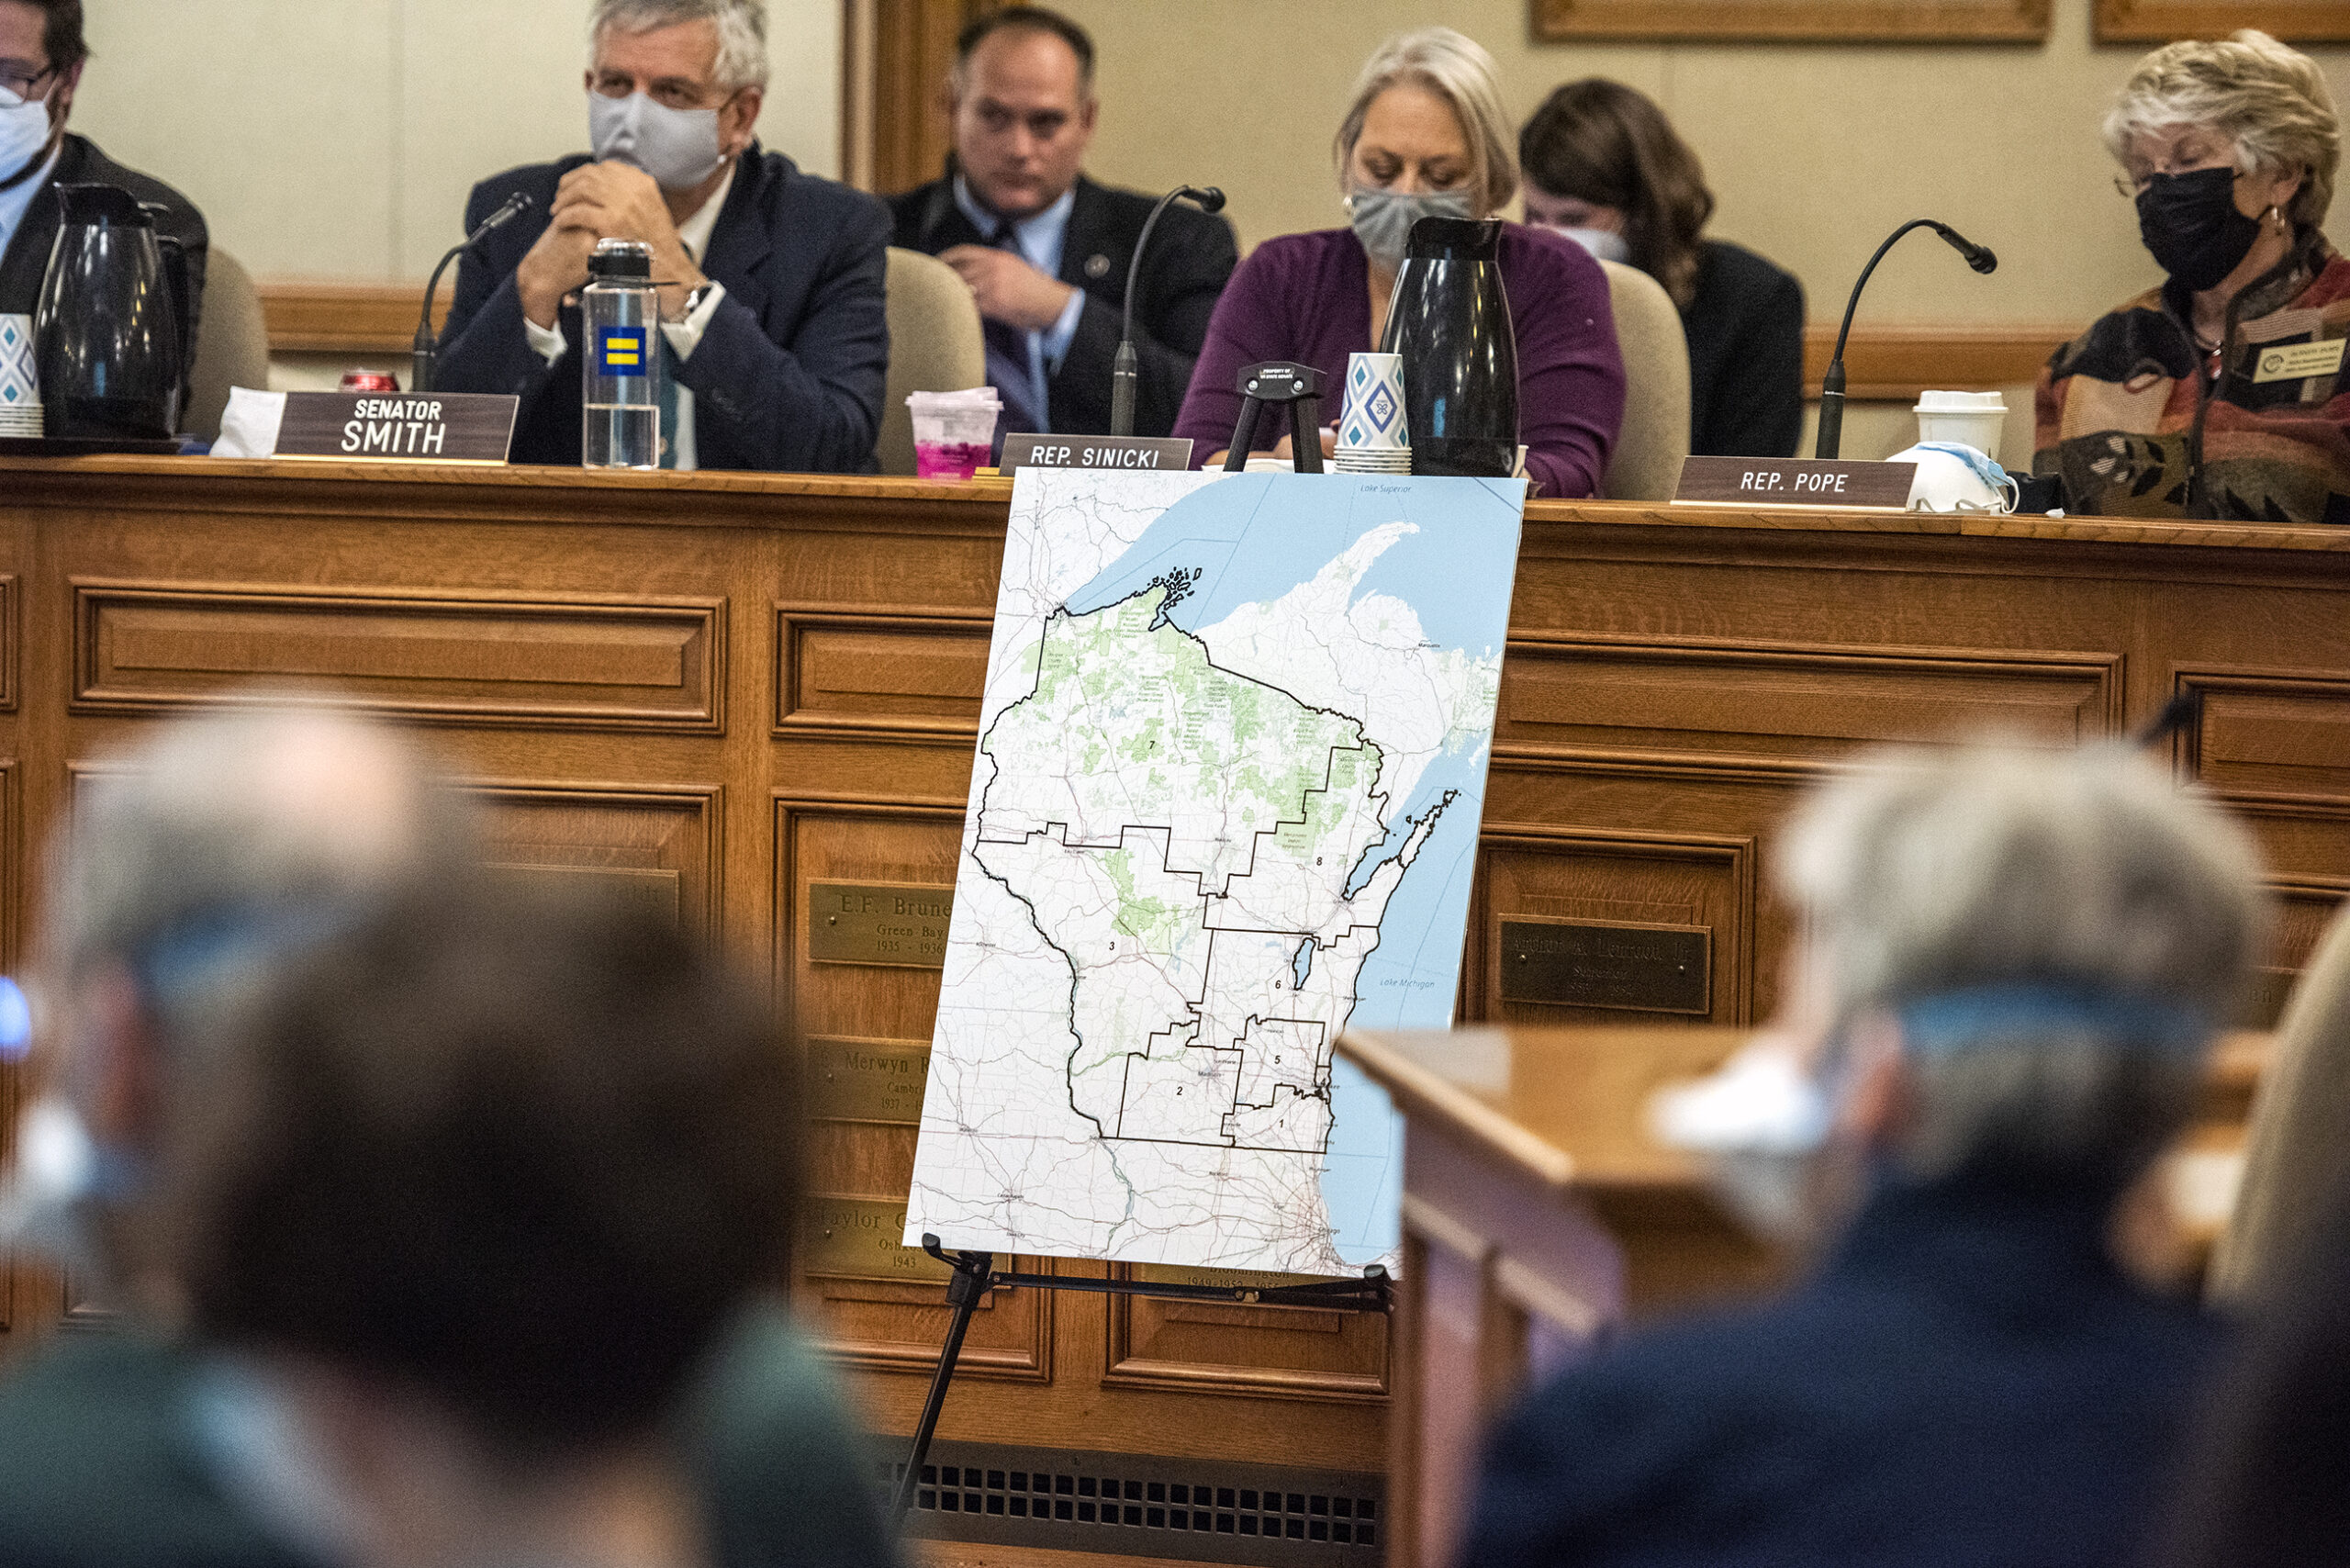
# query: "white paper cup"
{"type": "Point", "coordinates": [1971, 418]}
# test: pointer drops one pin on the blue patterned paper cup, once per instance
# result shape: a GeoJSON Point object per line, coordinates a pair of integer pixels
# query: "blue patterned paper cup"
{"type": "Point", "coordinates": [20, 391]}
{"type": "Point", "coordinates": [1373, 415]}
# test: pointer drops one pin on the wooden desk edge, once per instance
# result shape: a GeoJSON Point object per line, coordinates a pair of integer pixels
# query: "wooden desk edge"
{"type": "Point", "coordinates": [1415, 1088]}
{"type": "Point", "coordinates": [988, 495]}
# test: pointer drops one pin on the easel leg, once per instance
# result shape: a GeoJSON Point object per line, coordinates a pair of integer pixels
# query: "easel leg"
{"type": "Point", "coordinates": [973, 1273]}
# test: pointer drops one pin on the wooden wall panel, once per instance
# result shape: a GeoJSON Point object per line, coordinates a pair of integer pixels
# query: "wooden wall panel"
{"type": "Point", "coordinates": [151, 647]}
{"type": "Point", "coordinates": [879, 674]}
{"type": "Point", "coordinates": [1688, 695]}
{"type": "Point", "coordinates": [892, 1316]}
{"type": "Point", "coordinates": [2269, 732]}
{"type": "Point", "coordinates": [660, 845]}
{"type": "Point", "coordinates": [1700, 882]}
{"type": "Point", "coordinates": [1293, 1352]}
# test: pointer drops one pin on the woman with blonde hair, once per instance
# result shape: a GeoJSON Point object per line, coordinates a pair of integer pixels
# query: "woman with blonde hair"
{"type": "Point", "coordinates": [2222, 394]}
{"type": "Point", "coordinates": [1425, 137]}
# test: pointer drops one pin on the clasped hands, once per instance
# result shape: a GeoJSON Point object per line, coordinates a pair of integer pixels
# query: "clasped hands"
{"type": "Point", "coordinates": [603, 201]}
{"type": "Point", "coordinates": [1007, 290]}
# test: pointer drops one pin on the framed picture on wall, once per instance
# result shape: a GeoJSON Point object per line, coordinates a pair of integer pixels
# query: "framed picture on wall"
{"type": "Point", "coordinates": [1825, 21]}
{"type": "Point", "coordinates": [2159, 21]}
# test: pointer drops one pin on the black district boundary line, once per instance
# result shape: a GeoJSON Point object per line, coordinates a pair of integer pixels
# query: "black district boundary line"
{"type": "Point", "coordinates": [976, 1274]}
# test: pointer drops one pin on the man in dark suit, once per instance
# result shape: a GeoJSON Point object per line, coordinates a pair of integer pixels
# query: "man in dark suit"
{"type": "Point", "coordinates": [1045, 250]}
{"type": "Point", "coordinates": [772, 299]}
{"type": "Point", "coordinates": [41, 55]}
{"type": "Point", "coordinates": [2020, 959]}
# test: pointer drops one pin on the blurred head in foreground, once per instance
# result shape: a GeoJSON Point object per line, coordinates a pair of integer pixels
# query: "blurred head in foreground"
{"type": "Point", "coordinates": [2023, 955]}
{"type": "Point", "coordinates": [187, 871]}
{"type": "Point", "coordinates": [2016, 959]}
{"type": "Point", "coordinates": [478, 1186]}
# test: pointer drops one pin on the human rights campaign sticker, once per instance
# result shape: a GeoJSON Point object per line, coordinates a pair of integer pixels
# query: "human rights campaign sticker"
{"type": "Point", "coordinates": [622, 351]}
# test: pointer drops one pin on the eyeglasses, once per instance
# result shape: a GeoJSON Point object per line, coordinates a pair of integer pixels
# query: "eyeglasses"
{"type": "Point", "coordinates": [19, 85]}
{"type": "Point", "coordinates": [2133, 186]}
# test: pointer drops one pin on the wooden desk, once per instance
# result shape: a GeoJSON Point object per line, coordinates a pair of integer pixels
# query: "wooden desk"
{"type": "Point", "coordinates": [725, 688]}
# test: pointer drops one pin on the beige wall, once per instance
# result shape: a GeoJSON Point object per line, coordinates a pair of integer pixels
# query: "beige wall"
{"type": "Point", "coordinates": [1814, 152]}
{"type": "Point", "coordinates": [338, 138]}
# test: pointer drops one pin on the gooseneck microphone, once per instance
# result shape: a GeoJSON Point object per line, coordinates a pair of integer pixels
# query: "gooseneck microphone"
{"type": "Point", "coordinates": [1126, 371]}
{"type": "Point", "coordinates": [424, 353]}
{"type": "Point", "coordinates": [1831, 385]}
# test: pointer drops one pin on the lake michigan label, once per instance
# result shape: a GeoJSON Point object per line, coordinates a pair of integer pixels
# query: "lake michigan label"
{"type": "Point", "coordinates": [1618, 965]}
{"type": "Point", "coordinates": [894, 925]}
{"type": "Point", "coordinates": [866, 1081]}
{"type": "Point", "coordinates": [862, 1238]}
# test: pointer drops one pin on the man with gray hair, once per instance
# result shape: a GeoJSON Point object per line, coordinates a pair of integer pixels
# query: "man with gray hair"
{"type": "Point", "coordinates": [2019, 959]}
{"type": "Point", "coordinates": [229, 848]}
{"type": "Point", "coordinates": [774, 340]}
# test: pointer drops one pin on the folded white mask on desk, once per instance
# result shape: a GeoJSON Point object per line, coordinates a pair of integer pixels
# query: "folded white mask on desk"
{"type": "Point", "coordinates": [1956, 477]}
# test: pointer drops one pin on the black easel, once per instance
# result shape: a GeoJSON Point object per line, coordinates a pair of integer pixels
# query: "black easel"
{"type": "Point", "coordinates": [975, 1275]}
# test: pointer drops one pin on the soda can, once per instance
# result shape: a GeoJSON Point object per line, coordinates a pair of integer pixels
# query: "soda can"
{"type": "Point", "coordinates": [370, 381]}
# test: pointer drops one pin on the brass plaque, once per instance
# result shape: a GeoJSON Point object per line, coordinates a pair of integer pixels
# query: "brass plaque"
{"type": "Point", "coordinates": [865, 1081]}
{"type": "Point", "coordinates": [1599, 963]}
{"type": "Point", "coordinates": [857, 1238]}
{"type": "Point", "coordinates": [897, 924]}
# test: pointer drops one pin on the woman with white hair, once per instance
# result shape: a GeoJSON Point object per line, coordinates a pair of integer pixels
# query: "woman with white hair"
{"type": "Point", "coordinates": [2222, 393]}
{"type": "Point", "coordinates": [1426, 137]}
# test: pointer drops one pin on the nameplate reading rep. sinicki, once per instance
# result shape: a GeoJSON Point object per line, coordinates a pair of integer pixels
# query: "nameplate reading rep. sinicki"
{"type": "Point", "coordinates": [1150, 455]}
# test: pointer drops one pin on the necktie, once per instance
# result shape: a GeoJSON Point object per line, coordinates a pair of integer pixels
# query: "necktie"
{"type": "Point", "coordinates": [1010, 370]}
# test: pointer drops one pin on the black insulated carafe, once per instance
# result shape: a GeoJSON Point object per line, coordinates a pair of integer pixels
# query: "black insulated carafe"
{"type": "Point", "coordinates": [1449, 320]}
{"type": "Point", "coordinates": [110, 335]}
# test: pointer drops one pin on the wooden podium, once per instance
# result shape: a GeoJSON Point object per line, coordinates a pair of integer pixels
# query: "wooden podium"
{"type": "Point", "coordinates": [1538, 1215]}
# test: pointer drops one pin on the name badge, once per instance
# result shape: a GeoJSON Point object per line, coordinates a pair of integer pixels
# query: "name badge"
{"type": "Point", "coordinates": [457, 427]}
{"type": "Point", "coordinates": [2297, 362]}
{"type": "Point", "coordinates": [1795, 481]}
{"type": "Point", "coordinates": [623, 350]}
{"type": "Point", "coordinates": [1152, 455]}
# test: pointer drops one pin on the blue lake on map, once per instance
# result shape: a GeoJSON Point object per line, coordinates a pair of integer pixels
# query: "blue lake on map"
{"type": "Point", "coordinates": [1255, 536]}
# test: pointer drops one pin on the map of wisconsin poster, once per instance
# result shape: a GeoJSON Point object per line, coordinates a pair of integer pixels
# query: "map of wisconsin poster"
{"type": "Point", "coordinates": [1225, 805]}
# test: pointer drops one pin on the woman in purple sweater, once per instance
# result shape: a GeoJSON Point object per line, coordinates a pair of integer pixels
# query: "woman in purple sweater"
{"type": "Point", "coordinates": [1426, 137]}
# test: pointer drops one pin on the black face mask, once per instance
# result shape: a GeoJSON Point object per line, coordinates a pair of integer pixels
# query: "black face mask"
{"type": "Point", "coordinates": [2190, 223]}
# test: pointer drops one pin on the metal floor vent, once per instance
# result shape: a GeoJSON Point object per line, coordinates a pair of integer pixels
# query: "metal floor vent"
{"type": "Point", "coordinates": [1141, 1506]}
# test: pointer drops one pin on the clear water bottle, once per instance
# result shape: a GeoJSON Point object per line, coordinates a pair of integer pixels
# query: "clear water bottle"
{"type": "Point", "coordinates": [621, 311]}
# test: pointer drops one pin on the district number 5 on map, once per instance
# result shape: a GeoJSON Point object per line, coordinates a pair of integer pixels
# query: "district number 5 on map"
{"type": "Point", "coordinates": [1231, 763]}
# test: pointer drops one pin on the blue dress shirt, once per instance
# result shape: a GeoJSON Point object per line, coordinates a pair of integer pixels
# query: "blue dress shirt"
{"type": "Point", "coordinates": [1038, 242]}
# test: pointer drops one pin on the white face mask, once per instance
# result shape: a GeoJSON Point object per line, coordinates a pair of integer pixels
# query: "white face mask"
{"type": "Point", "coordinates": [24, 134]}
{"type": "Point", "coordinates": [1604, 243]}
{"type": "Point", "coordinates": [60, 1172]}
{"type": "Point", "coordinates": [678, 147]}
